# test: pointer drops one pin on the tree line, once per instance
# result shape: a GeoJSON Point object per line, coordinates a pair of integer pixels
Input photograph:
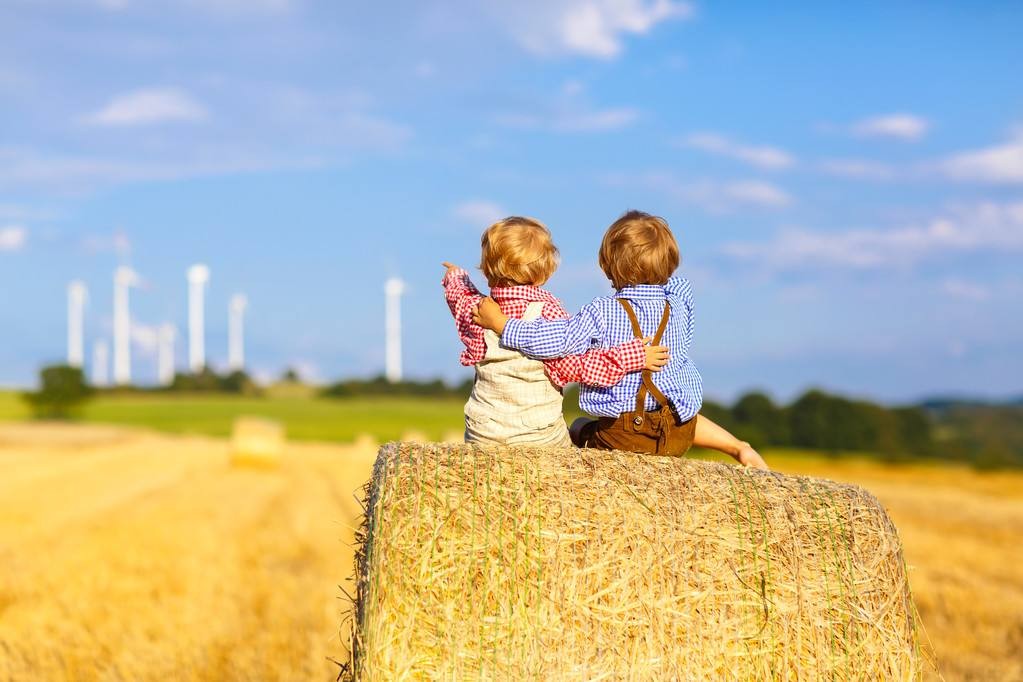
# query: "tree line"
{"type": "Point", "coordinates": [985, 435]}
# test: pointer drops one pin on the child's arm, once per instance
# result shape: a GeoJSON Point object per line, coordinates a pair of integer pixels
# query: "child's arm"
{"type": "Point", "coordinates": [462, 297]}
{"type": "Point", "coordinates": [601, 366]}
{"type": "Point", "coordinates": [680, 294]}
{"type": "Point", "coordinates": [607, 366]}
{"type": "Point", "coordinates": [543, 339]}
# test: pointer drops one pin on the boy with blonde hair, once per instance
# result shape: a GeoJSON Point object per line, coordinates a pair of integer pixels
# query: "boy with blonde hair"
{"type": "Point", "coordinates": [515, 399]}
{"type": "Point", "coordinates": [656, 414]}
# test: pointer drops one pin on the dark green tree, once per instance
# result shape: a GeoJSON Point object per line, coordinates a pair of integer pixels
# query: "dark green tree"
{"type": "Point", "coordinates": [62, 389]}
{"type": "Point", "coordinates": [760, 421]}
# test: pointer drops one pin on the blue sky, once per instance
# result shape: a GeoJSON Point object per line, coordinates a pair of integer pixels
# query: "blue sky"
{"type": "Point", "coordinates": [845, 180]}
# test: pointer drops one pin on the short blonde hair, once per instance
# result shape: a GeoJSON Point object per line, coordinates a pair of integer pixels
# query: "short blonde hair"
{"type": "Point", "coordinates": [518, 250]}
{"type": "Point", "coordinates": [638, 248]}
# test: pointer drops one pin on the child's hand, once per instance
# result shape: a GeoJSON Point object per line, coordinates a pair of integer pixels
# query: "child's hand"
{"type": "Point", "coordinates": [656, 356]}
{"type": "Point", "coordinates": [449, 266]}
{"type": "Point", "coordinates": [749, 457]}
{"type": "Point", "coordinates": [489, 316]}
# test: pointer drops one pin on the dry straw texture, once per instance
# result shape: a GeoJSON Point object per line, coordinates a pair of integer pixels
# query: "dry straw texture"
{"type": "Point", "coordinates": [519, 564]}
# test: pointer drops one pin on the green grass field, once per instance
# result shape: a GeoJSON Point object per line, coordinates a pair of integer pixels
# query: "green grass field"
{"type": "Point", "coordinates": [304, 418]}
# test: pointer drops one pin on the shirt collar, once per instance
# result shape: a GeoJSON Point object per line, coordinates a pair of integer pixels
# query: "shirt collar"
{"type": "Point", "coordinates": [521, 292]}
{"type": "Point", "coordinates": [642, 291]}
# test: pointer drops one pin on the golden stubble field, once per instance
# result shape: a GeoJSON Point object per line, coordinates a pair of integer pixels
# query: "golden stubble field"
{"type": "Point", "coordinates": [127, 555]}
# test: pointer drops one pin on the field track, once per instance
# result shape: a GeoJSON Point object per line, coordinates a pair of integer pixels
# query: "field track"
{"type": "Point", "coordinates": [127, 555]}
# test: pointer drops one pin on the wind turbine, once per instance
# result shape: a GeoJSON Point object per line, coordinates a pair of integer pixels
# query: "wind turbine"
{"type": "Point", "coordinates": [165, 354]}
{"type": "Point", "coordinates": [76, 295]}
{"type": "Point", "coordinates": [100, 363]}
{"type": "Point", "coordinates": [236, 332]}
{"type": "Point", "coordinates": [198, 276]}
{"type": "Point", "coordinates": [124, 279]}
{"type": "Point", "coordinates": [393, 288]}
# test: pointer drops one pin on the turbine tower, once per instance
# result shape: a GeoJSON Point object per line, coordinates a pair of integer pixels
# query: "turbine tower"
{"type": "Point", "coordinates": [165, 354]}
{"type": "Point", "coordinates": [76, 294]}
{"type": "Point", "coordinates": [198, 276]}
{"type": "Point", "coordinates": [124, 279]}
{"type": "Point", "coordinates": [393, 288]}
{"type": "Point", "coordinates": [100, 363]}
{"type": "Point", "coordinates": [236, 332]}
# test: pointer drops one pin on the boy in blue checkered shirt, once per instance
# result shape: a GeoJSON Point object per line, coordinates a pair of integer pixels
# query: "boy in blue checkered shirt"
{"type": "Point", "coordinates": [656, 413]}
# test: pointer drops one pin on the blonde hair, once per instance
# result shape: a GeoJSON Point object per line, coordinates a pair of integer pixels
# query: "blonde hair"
{"type": "Point", "coordinates": [638, 248]}
{"type": "Point", "coordinates": [518, 250]}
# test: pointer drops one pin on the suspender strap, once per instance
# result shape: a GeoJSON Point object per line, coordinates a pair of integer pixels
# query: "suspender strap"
{"type": "Point", "coordinates": [647, 383]}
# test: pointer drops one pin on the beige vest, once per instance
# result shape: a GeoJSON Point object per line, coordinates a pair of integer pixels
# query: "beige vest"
{"type": "Point", "coordinates": [512, 401]}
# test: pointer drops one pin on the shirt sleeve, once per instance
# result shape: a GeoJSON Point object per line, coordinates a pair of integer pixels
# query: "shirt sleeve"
{"type": "Point", "coordinates": [546, 339]}
{"type": "Point", "coordinates": [680, 295]}
{"type": "Point", "coordinates": [598, 366]}
{"type": "Point", "coordinates": [462, 297]}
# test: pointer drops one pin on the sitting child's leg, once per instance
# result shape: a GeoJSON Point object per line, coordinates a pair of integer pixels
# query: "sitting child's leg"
{"type": "Point", "coordinates": [576, 431]}
{"type": "Point", "coordinates": [711, 436]}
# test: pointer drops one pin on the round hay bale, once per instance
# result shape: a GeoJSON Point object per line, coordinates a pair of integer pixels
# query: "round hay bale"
{"type": "Point", "coordinates": [537, 564]}
{"type": "Point", "coordinates": [256, 442]}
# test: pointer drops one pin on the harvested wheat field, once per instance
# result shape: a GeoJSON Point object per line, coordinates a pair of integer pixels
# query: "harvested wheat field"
{"type": "Point", "coordinates": [131, 556]}
{"type": "Point", "coordinates": [126, 555]}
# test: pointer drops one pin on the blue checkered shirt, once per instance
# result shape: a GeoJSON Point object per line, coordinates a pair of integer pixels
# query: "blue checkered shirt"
{"type": "Point", "coordinates": [604, 323]}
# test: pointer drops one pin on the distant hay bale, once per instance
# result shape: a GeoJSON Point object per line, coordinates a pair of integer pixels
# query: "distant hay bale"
{"type": "Point", "coordinates": [537, 564]}
{"type": "Point", "coordinates": [256, 442]}
{"type": "Point", "coordinates": [415, 436]}
{"type": "Point", "coordinates": [365, 442]}
{"type": "Point", "coordinates": [453, 437]}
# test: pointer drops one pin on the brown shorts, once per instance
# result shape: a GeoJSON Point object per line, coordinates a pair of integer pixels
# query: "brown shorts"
{"type": "Point", "coordinates": [660, 434]}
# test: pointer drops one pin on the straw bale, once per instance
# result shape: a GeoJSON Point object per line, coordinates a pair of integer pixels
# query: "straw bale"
{"type": "Point", "coordinates": [538, 564]}
{"type": "Point", "coordinates": [256, 442]}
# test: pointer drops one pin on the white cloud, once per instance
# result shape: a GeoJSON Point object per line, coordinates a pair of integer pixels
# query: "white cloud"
{"type": "Point", "coordinates": [770, 158]}
{"type": "Point", "coordinates": [981, 227]}
{"type": "Point", "coordinates": [712, 196]}
{"type": "Point", "coordinates": [81, 174]}
{"type": "Point", "coordinates": [478, 212]}
{"type": "Point", "coordinates": [18, 212]}
{"type": "Point", "coordinates": [573, 120]}
{"type": "Point", "coordinates": [970, 291]}
{"type": "Point", "coordinates": [13, 237]}
{"type": "Point", "coordinates": [149, 106]}
{"type": "Point", "coordinates": [998, 164]}
{"type": "Point", "coordinates": [859, 169]}
{"type": "Point", "coordinates": [591, 28]}
{"type": "Point", "coordinates": [723, 197]}
{"type": "Point", "coordinates": [900, 126]}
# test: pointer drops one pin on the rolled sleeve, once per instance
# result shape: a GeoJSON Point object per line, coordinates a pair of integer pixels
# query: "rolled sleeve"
{"type": "Point", "coordinates": [545, 339]}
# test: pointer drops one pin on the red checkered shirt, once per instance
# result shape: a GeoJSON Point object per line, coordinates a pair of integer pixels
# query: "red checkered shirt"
{"type": "Point", "coordinates": [596, 367]}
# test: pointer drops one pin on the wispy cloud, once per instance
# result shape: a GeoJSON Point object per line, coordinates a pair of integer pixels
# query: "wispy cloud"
{"type": "Point", "coordinates": [759, 156]}
{"type": "Point", "coordinates": [590, 28]}
{"type": "Point", "coordinates": [572, 121]}
{"type": "Point", "coordinates": [149, 106]}
{"type": "Point", "coordinates": [21, 169]}
{"type": "Point", "coordinates": [570, 111]}
{"type": "Point", "coordinates": [981, 227]}
{"type": "Point", "coordinates": [212, 6]}
{"type": "Point", "coordinates": [713, 196]}
{"type": "Point", "coordinates": [899, 126]}
{"type": "Point", "coordinates": [478, 212]}
{"type": "Point", "coordinates": [860, 169]}
{"type": "Point", "coordinates": [970, 291]}
{"type": "Point", "coordinates": [997, 164]}
{"type": "Point", "coordinates": [13, 237]}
